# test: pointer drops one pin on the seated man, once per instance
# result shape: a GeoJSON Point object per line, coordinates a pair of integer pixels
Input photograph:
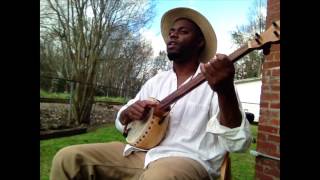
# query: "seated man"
{"type": "Point", "coordinates": [203, 126]}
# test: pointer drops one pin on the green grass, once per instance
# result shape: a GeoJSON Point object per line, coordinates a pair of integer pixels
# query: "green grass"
{"type": "Point", "coordinates": [45, 94]}
{"type": "Point", "coordinates": [242, 164]}
{"type": "Point", "coordinates": [111, 99]}
{"type": "Point", "coordinates": [48, 148]}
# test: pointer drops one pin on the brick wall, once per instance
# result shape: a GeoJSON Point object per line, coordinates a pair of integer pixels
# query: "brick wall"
{"type": "Point", "coordinates": [268, 140]}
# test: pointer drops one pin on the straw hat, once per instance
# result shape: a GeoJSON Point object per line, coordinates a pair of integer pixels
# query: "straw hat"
{"type": "Point", "coordinates": [210, 37]}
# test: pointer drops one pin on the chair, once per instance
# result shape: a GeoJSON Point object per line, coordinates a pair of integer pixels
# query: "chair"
{"type": "Point", "coordinates": [225, 171]}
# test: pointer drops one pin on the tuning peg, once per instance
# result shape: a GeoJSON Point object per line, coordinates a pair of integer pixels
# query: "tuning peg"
{"type": "Point", "coordinates": [266, 49]}
{"type": "Point", "coordinates": [258, 36]}
{"type": "Point", "coordinates": [275, 24]}
{"type": "Point", "coordinates": [258, 41]}
{"type": "Point", "coordinates": [276, 33]}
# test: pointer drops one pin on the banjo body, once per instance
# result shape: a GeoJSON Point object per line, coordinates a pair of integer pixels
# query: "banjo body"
{"type": "Point", "coordinates": [148, 133]}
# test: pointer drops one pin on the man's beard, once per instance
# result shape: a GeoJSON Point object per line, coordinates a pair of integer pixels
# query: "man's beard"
{"type": "Point", "coordinates": [173, 56]}
{"type": "Point", "coordinates": [178, 57]}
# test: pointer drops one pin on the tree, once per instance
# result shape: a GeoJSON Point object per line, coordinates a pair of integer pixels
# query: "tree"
{"type": "Point", "coordinates": [161, 62]}
{"type": "Point", "coordinates": [82, 31]}
{"type": "Point", "coordinates": [251, 64]}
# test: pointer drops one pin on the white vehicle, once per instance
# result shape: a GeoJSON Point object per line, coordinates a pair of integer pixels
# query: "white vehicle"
{"type": "Point", "coordinates": [249, 91]}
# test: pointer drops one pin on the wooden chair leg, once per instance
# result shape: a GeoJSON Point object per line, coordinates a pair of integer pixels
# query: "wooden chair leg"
{"type": "Point", "coordinates": [225, 172]}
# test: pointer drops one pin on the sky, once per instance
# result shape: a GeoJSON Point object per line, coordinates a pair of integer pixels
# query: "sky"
{"type": "Point", "coordinates": [224, 16]}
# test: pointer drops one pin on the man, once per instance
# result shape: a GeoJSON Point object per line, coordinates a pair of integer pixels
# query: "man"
{"type": "Point", "coordinates": [204, 124]}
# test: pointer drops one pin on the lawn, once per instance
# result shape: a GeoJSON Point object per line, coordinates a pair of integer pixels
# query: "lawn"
{"type": "Point", "coordinates": [242, 164]}
{"type": "Point", "coordinates": [46, 94]}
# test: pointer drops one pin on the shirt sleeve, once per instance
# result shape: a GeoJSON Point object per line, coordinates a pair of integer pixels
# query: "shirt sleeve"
{"type": "Point", "coordinates": [118, 124]}
{"type": "Point", "coordinates": [144, 93]}
{"type": "Point", "coordinates": [232, 139]}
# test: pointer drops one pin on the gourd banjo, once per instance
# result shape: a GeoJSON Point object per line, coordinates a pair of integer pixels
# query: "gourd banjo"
{"type": "Point", "coordinates": [150, 131]}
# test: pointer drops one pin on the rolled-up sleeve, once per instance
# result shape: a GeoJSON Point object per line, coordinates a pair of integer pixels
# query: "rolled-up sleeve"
{"type": "Point", "coordinates": [142, 94]}
{"type": "Point", "coordinates": [232, 139]}
{"type": "Point", "coordinates": [118, 124]}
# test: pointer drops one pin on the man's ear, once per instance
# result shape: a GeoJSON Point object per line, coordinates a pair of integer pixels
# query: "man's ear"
{"type": "Point", "coordinates": [201, 43]}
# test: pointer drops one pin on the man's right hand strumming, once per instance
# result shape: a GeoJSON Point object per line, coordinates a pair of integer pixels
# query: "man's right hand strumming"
{"type": "Point", "coordinates": [136, 111]}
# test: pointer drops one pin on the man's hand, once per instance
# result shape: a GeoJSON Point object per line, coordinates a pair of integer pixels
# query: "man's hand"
{"type": "Point", "coordinates": [136, 111]}
{"type": "Point", "coordinates": [219, 72]}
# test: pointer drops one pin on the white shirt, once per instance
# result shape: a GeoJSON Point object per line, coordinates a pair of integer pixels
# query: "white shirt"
{"type": "Point", "coordinates": [194, 130]}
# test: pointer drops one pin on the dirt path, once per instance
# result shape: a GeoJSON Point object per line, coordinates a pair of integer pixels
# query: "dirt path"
{"type": "Point", "coordinates": [53, 115]}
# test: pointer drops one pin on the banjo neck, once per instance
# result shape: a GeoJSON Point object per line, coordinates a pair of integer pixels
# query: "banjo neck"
{"type": "Point", "coordinates": [198, 80]}
{"type": "Point", "coordinates": [263, 41]}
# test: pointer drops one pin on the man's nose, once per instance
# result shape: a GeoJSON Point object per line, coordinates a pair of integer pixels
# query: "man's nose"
{"type": "Point", "coordinates": [173, 34]}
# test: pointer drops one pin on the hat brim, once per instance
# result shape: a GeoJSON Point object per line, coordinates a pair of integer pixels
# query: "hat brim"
{"type": "Point", "coordinates": [210, 36]}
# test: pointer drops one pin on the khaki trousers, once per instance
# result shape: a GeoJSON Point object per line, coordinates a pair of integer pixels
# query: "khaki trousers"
{"type": "Point", "coordinates": [105, 161]}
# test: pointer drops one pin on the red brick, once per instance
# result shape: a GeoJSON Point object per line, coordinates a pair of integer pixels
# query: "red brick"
{"type": "Point", "coordinates": [274, 113]}
{"type": "Point", "coordinates": [275, 9]}
{"type": "Point", "coordinates": [266, 147]}
{"type": "Point", "coordinates": [259, 167]}
{"type": "Point", "coordinates": [264, 109]}
{"type": "Point", "coordinates": [271, 64]}
{"type": "Point", "coordinates": [274, 78]}
{"type": "Point", "coordinates": [263, 113]}
{"type": "Point", "coordinates": [264, 104]}
{"type": "Point", "coordinates": [261, 118]}
{"type": "Point", "coordinates": [275, 72]}
{"type": "Point", "coordinates": [272, 17]}
{"type": "Point", "coordinates": [274, 81]}
{"type": "Point", "coordinates": [268, 129]}
{"type": "Point", "coordinates": [262, 176]}
{"type": "Point", "coordinates": [272, 170]}
{"type": "Point", "coordinates": [275, 48]}
{"type": "Point", "coordinates": [273, 2]}
{"type": "Point", "coordinates": [275, 88]}
{"type": "Point", "coordinates": [268, 58]}
{"type": "Point", "coordinates": [269, 120]}
{"type": "Point", "coordinates": [269, 114]}
{"type": "Point", "coordinates": [267, 72]}
{"type": "Point", "coordinates": [265, 161]}
{"type": "Point", "coordinates": [270, 149]}
{"type": "Point", "coordinates": [275, 105]}
{"type": "Point", "coordinates": [264, 79]}
{"type": "Point", "coordinates": [276, 56]}
{"type": "Point", "coordinates": [270, 96]}
{"type": "Point", "coordinates": [263, 122]}
{"type": "Point", "coordinates": [265, 87]}
{"type": "Point", "coordinates": [275, 153]}
{"type": "Point", "coordinates": [272, 138]}
{"type": "Point", "coordinates": [275, 122]}
{"type": "Point", "coordinates": [261, 137]}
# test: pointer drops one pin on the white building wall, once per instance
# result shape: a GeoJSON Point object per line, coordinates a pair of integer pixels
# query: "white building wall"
{"type": "Point", "coordinates": [249, 95]}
